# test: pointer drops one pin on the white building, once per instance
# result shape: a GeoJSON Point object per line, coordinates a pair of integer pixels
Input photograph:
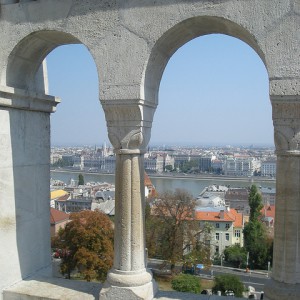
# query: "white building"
{"type": "Point", "coordinates": [227, 229]}
{"type": "Point", "coordinates": [238, 166]}
{"type": "Point", "coordinates": [268, 168]}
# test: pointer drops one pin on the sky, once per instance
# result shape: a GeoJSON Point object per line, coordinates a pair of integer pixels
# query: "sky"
{"type": "Point", "coordinates": [214, 91]}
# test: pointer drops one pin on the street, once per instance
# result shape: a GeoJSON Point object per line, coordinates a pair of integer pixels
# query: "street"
{"type": "Point", "coordinates": [255, 279]}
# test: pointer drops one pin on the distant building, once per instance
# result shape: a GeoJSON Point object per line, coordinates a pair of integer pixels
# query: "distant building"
{"type": "Point", "coordinates": [205, 163]}
{"type": "Point", "coordinates": [154, 164]}
{"type": "Point", "coordinates": [268, 218]}
{"type": "Point", "coordinates": [150, 191]}
{"type": "Point", "coordinates": [78, 204]}
{"type": "Point", "coordinates": [54, 158]}
{"type": "Point", "coordinates": [237, 198]}
{"type": "Point", "coordinates": [212, 196]}
{"type": "Point", "coordinates": [268, 168]}
{"type": "Point", "coordinates": [58, 220]}
{"type": "Point", "coordinates": [268, 195]}
{"type": "Point", "coordinates": [217, 166]}
{"type": "Point", "coordinates": [180, 159]}
{"type": "Point", "coordinates": [268, 215]}
{"type": "Point", "coordinates": [169, 161]}
{"type": "Point", "coordinates": [239, 166]}
{"type": "Point", "coordinates": [57, 195]}
{"type": "Point", "coordinates": [227, 228]}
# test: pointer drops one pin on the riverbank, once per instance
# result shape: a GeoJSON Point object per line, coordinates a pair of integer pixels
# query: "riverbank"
{"type": "Point", "coordinates": [254, 179]}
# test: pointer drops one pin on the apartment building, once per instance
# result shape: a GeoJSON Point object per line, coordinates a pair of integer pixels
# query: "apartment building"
{"type": "Point", "coordinates": [227, 228]}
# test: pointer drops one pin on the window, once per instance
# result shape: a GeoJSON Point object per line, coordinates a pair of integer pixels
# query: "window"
{"type": "Point", "coordinates": [227, 226]}
{"type": "Point", "coordinates": [227, 236]}
{"type": "Point", "coordinates": [217, 225]}
{"type": "Point", "coordinates": [207, 242]}
{"type": "Point", "coordinates": [237, 233]}
{"type": "Point", "coordinates": [217, 236]}
{"type": "Point", "coordinates": [217, 249]}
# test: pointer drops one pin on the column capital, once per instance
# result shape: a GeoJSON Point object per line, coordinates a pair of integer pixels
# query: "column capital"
{"type": "Point", "coordinates": [286, 120]}
{"type": "Point", "coordinates": [129, 124]}
{"type": "Point", "coordinates": [27, 100]}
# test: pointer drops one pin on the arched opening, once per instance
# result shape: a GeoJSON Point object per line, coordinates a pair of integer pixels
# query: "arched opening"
{"type": "Point", "coordinates": [216, 88]}
{"type": "Point", "coordinates": [205, 77]}
{"type": "Point", "coordinates": [180, 34]}
{"type": "Point", "coordinates": [79, 119]}
{"type": "Point", "coordinates": [27, 57]}
{"type": "Point", "coordinates": [28, 173]}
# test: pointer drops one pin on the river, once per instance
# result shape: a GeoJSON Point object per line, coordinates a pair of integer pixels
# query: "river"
{"type": "Point", "coordinates": [193, 184]}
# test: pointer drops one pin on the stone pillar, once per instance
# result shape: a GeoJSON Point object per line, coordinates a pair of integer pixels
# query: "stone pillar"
{"type": "Point", "coordinates": [285, 281]}
{"type": "Point", "coordinates": [24, 184]}
{"type": "Point", "coordinates": [129, 134]}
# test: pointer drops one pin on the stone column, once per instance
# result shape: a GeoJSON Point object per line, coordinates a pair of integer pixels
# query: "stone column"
{"type": "Point", "coordinates": [285, 281]}
{"type": "Point", "coordinates": [129, 134]}
{"type": "Point", "coordinates": [24, 184]}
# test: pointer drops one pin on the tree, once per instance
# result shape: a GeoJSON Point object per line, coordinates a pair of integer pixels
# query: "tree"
{"type": "Point", "coordinates": [169, 168]}
{"type": "Point", "coordinates": [235, 255]}
{"type": "Point", "coordinates": [171, 229]}
{"type": "Point", "coordinates": [186, 283]}
{"type": "Point", "coordinates": [228, 282]}
{"type": "Point", "coordinates": [255, 235]}
{"type": "Point", "coordinates": [87, 244]}
{"type": "Point", "coordinates": [80, 179]}
{"type": "Point", "coordinates": [187, 166]}
{"type": "Point", "coordinates": [255, 203]}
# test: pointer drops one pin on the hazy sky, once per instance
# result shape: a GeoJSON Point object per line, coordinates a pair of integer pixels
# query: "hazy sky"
{"type": "Point", "coordinates": [214, 91]}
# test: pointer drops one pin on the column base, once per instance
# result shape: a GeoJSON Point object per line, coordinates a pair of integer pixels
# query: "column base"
{"type": "Point", "coordinates": [275, 290]}
{"type": "Point", "coordinates": [122, 285]}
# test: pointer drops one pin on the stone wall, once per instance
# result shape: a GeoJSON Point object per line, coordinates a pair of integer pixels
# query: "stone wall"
{"type": "Point", "coordinates": [131, 42]}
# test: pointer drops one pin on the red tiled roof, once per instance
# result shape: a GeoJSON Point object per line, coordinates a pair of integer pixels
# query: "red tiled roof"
{"type": "Point", "coordinates": [63, 198]}
{"type": "Point", "coordinates": [268, 211]}
{"type": "Point", "coordinates": [231, 216]}
{"type": "Point", "coordinates": [57, 216]}
{"type": "Point", "coordinates": [238, 218]}
{"type": "Point", "coordinates": [148, 183]}
{"type": "Point", "coordinates": [147, 180]}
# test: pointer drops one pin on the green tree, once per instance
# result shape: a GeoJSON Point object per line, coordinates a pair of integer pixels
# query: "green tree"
{"type": "Point", "coordinates": [235, 255]}
{"type": "Point", "coordinates": [228, 282]}
{"type": "Point", "coordinates": [80, 179]}
{"type": "Point", "coordinates": [256, 239]}
{"type": "Point", "coordinates": [255, 203]}
{"type": "Point", "coordinates": [62, 163]}
{"type": "Point", "coordinates": [169, 168]}
{"type": "Point", "coordinates": [171, 229]}
{"type": "Point", "coordinates": [189, 165]}
{"type": "Point", "coordinates": [87, 244]}
{"type": "Point", "coordinates": [186, 283]}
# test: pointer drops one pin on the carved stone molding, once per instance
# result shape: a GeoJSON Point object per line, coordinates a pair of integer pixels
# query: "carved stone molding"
{"type": "Point", "coordinates": [129, 123]}
{"type": "Point", "coordinates": [286, 120]}
{"type": "Point", "coordinates": [27, 100]}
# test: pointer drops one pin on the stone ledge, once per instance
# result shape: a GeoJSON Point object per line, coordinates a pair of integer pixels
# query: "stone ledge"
{"type": "Point", "coordinates": [27, 100]}
{"type": "Point", "coordinates": [44, 288]}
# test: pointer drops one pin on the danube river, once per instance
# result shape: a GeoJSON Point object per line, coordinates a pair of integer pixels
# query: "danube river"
{"type": "Point", "coordinates": [193, 184]}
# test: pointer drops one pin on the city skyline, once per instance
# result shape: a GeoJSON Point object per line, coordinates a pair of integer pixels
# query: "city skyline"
{"type": "Point", "coordinates": [214, 91]}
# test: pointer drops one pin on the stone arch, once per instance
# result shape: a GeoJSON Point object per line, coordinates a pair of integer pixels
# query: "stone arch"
{"type": "Point", "coordinates": [26, 108]}
{"type": "Point", "coordinates": [28, 55]}
{"type": "Point", "coordinates": [182, 33]}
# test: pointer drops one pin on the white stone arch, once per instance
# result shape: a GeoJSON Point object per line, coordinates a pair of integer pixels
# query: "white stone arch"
{"type": "Point", "coordinates": [182, 33]}
{"type": "Point", "coordinates": [27, 56]}
{"type": "Point", "coordinates": [25, 114]}
{"type": "Point", "coordinates": [284, 96]}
